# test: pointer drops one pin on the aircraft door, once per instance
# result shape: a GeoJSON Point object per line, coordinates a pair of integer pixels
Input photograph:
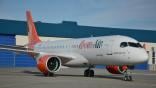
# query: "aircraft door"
{"type": "Point", "coordinates": [123, 52]}
{"type": "Point", "coordinates": [109, 48]}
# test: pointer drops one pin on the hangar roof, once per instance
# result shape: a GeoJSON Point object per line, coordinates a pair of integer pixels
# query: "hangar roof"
{"type": "Point", "coordinates": [72, 30]}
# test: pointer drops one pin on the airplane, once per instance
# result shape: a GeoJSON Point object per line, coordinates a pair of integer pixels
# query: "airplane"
{"type": "Point", "coordinates": [116, 52]}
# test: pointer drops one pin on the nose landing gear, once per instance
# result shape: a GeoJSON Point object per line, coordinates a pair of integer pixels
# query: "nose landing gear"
{"type": "Point", "coordinates": [127, 76]}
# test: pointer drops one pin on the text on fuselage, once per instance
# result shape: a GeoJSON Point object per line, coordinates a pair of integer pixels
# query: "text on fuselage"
{"type": "Point", "coordinates": [90, 44]}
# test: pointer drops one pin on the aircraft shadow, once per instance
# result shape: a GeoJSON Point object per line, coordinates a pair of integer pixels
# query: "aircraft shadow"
{"type": "Point", "coordinates": [33, 73]}
{"type": "Point", "coordinates": [116, 77]}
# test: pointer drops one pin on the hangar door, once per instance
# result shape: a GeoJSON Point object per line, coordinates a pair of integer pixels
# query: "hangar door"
{"type": "Point", "coordinates": [10, 59]}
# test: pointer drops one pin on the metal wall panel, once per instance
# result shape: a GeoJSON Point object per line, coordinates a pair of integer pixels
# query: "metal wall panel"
{"type": "Point", "coordinates": [6, 57]}
{"type": "Point", "coordinates": [12, 59]}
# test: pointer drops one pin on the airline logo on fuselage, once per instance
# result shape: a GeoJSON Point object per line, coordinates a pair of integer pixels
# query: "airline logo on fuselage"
{"type": "Point", "coordinates": [90, 44]}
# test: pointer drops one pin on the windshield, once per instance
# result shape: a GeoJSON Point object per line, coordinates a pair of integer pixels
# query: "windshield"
{"type": "Point", "coordinates": [131, 44]}
{"type": "Point", "coordinates": [134, 44]}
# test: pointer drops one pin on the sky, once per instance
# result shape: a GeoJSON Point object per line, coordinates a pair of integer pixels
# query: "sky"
{"type": "Point", "coordinates": [133, 14]}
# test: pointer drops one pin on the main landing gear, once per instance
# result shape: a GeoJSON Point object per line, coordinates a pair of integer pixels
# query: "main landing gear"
{"type": "Point", "coordinates": [89, 72]}
{"type": "Point", "coordinates": [127, 76]}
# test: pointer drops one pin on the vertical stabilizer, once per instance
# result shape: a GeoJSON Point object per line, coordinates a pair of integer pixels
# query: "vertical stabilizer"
{"type": "Point", "coordinates": [33, 37]}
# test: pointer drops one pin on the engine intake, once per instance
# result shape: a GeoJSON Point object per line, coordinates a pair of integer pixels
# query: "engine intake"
{"type": "Point", "coordinates": [49, 64]}
{"type": "Point", "coordinates": [114, 69]}
{"type": "Point", "coordinates": [53, 64]}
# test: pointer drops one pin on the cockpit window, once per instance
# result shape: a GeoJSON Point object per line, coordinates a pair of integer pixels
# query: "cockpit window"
{"type": "Point", "coordinates": [139, 45]}
{"type": "Point", "coordinates": [131, 44]}
{"type": "Point", "coordinates": [134, 44]}
{"type": "Point", "coordinates": [123, 44]}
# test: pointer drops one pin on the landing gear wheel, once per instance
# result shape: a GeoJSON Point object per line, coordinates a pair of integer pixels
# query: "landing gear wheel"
{"type": "Point", "coordinates": [49, 74]}
{"type": "Point", "coordinates": [127, 78]}
{"type": "Point", "coordinates": [86, 72]}
{"type": "Point", "coordinates": [89, 73]}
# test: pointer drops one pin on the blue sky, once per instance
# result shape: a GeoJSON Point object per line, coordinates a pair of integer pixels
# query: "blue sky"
{"type": "Point", "coordinates": [136, 14]}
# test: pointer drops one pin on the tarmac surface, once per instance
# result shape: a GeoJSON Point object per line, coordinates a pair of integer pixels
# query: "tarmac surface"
{"type": "Point", "coordinates": [73, 78]}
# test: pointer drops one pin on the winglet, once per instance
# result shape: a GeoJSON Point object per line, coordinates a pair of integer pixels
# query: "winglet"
{"type": "Point", "coordinates": [32, 34]}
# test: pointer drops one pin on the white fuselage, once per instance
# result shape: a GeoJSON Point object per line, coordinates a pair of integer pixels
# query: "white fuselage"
{"type": "Point", "coordinates": [104, 50]}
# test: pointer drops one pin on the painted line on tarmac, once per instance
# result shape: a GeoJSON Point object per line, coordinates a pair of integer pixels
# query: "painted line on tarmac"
{"type": "Point", "coordinates": [148, 74]}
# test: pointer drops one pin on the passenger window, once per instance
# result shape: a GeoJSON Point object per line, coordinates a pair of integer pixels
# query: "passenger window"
{"type": "Point", "coordinates": [123, 44]}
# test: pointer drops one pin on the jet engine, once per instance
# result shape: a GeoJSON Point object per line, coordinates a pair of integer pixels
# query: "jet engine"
{"type": "Point", "coordinates": [48, 64]}
{"type": "Point", "coordinates": [114, 69]}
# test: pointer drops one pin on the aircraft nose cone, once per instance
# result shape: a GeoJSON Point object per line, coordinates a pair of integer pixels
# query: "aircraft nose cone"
{"type": "Point", "coordinates": [143, 57]}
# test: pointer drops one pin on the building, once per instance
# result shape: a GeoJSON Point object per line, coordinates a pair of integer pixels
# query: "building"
{"type": "Point", "coordinates": [11, 29]}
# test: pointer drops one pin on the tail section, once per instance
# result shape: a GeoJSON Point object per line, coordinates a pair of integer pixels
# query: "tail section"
{"type": "Point", "coordinates": [32, 34]}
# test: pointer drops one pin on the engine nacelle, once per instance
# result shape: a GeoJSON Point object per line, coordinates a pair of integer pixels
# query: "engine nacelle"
{"type": "Point", "coordinates": [48, 64]}
{"type": "Point", "coordinates": [114, 69]}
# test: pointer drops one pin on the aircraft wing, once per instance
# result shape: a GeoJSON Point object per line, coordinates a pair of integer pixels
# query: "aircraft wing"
{"type": "Point", "coordinates": [66, 57]}
{"type": "Point", "coordinates": [69, 59]}
{"type": "Point", "coordinates": [17, 48]}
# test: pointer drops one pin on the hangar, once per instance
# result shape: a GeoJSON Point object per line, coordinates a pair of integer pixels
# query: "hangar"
{"type": "Point", "coordinates": [10, 29]}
